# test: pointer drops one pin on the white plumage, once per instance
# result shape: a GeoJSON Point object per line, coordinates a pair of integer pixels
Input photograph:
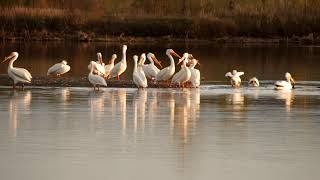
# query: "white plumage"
{"type": "Point", "coordinates": [94, 79]}
{"type": "Point", "coordinates": [235, 78]}
{"type": "Point", "coordinates": [195, 74]}
{"type": "Point", "coordinates": [184, 74]}
{"type": "Point", "coordinates": [137, 76]}
{"type": "Point", "coordinates": [121, 66]}
{"type": "Point", "coordinates": [254, 82]}
{"type": "Point", "coordinates": [150, 69]}
{"type": "Point", "coordinates": [17, 74]}
{"type": "Point", "coordinates": [166, 73]}
{"type": "Point", "coordinates": [285, 85]}
{"type": "Point", "coordinates": [108, 67]}
{"type": "Point", "coordinates": [99, 68]}
{"type": "Point", "coordinates": [59, 68]}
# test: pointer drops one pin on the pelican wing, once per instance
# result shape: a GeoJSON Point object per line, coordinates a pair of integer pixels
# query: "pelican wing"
{"type": "Point", "coordinates": [282, 84]}
{"type": "Point", "coordinates": [138, 80]}
{"type": "Point", "coordinates": [22, 74]}
{"type": "Point", "coordinates": [229, 74]}
{"type": "Point", "coordinates": [239, 74]}
{"type": "Point", "coordinates": [54, 69]}
{"type": "Point", "coordinates": [177, 77]}
{"type": "Point", "coordinates": [96, 80]}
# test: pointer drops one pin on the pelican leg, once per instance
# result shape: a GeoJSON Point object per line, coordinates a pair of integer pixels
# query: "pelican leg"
{"type": "Point", "coordinates": [118, 77]}
{"type": "Point", "coordinates": [22, 86]}
{"type": "Point", "coordinates": [98, 87]}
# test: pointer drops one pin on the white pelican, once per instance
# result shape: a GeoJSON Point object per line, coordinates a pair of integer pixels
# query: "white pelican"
{"type": "Point", "coordinates": [235, 78]}
{"type": "Point", "coordinates": [150, 69]}
{"type": "Point", "coordinates": [108, 67]}
{"type": "Point", "coordinates": [59, 68]}
{"type": "Point", "coordinates": [17, 74]}
{"type": "Point", "coordinates": [184, 74]}
{"type": "Point", "coordinates": [99, 68]}
{"type": "Point", "coordinates": [140, 83]}
{"type": "Point", "coordinates": [285, 85]}
{"type": "Point", "coordinates": [94, 79]}
{"type": "Point", "coordinates": [166, 73]}
{"type": "Point", "coordinates": [121, 66]}
{"type": "Point", "coordinates": [254, 82]}
{"type": "Point", "coordinates": [195, 74]}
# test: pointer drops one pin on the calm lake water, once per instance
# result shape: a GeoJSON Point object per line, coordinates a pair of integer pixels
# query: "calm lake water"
{"type": "Point", "coordinates": [213, 132]}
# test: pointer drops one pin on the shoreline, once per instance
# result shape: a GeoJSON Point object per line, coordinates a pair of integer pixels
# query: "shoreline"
{"type": "Point", "coordinates": [299, 40]}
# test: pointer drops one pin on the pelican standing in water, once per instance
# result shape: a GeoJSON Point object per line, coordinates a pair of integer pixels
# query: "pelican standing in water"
{"type": "Point", "coordinates": [140, 69]}
{"type": "Point", "coordinates": [137, 76]}
{"type": "Point", "coordinates": [121, 66]}
{"type": "Point", "coordinates": [94, 79]}
{"type": "Point", "coordinates": [235, 78]}
{"type": "Point", "coordinates": [166, 73]}
{"type": "Point", "coordinates": [195, 74]}
{"type": "Point", "coordinates": [150, 69]}
{"type": "Point", "coordinates": [285, 85]}
{"type": "Point", "coordinates": [99, 66]}
{"type": "Point", "coordinates": [184, 74]}
{"type": "Point", "coordinates": [254, 82]}
{"type": "Point", "coordinates": [59, 68]}
{"type": "Point", "coordinates": [108, 67]}
{"type": "Point", "coordinates": [17, 74]}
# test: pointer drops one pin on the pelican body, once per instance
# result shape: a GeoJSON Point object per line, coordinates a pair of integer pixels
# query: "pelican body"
{"type": "Point", "coordinates": [59, 68]}
{"type": "Point", "coordinates": [235, 78]}
{"type": "Point", "coordinates": [94, 79]}
{"type": "Point", "coordinates": [254, 82]}
{"type": "Point", "coordinates": [108, 67]}
{"type": "Point", "coordinates": [166, 73]}
{"type": "Point", "coordinates": [150, 69]}
{"type": "Point", "coordinates": [138, 78]}
{"type": "Point", "coordinates": [121, 66]}
{"type": "Point", "coordinates": [99, 66]}
{"type": "Point", "coordinates": [184, 74]}
{"type": "Point", "coordinates": [195, 74]}
{"type": "Point", "coordinates": [140, 69]}
{"type": "Point", "coordinates": [17, 74]}
{"type": "Point", "coordinates": [285, 85]}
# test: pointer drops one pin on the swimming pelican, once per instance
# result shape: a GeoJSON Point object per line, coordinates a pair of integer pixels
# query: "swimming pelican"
{"type": "Point", "coordinates": [195, 74]}
{"type": "Point", "coordinates": [99, 67]}
{"type": "Point", "coordinates": [285, 85]}
{"type": "Point", "coordinates": [108, 67]}
{"type": "Point", "coordinates": [166, 73]}
{"type": "Point", "coordinates": [17, 74]}
{"type": "Point", "coordinates": [254, 82]}
{"type": "Point", "coordinates": [94, 79]}
{"type": "Point", "coordinates": [121, 66]}
{"type": "Point", "coordinates": [150, 69]}
{"type": "Point", "coordinates": [235, 78]}
{"type": "Point", "coordinates": [59, 68]}
{"type": "Point", "coordinates": [139, 82]}
{"type": "Point", "coordinates": [184, 74]}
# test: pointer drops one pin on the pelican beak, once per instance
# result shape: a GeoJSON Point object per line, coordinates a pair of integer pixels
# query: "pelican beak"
{"type": "Point", "coordinates": [175, 54]}
{"type": "Point", "coordinates": [292, 82]}
{"type": "Point", "coordinates": [180, 60]}
{"type": "Point", "coordinates": [156, 61]}
{"type": "Point", "coordinates": [7, 58]}
{"type": "Point", "coordinates": [198, 62]}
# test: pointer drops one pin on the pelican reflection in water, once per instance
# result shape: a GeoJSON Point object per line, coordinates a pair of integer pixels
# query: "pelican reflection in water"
{"type": "Point", "coordinates": [287, 96]}
{"type": "Point", "coordinates": [19, 103]}
{"type": "Point", "coordinates": [139, 106]}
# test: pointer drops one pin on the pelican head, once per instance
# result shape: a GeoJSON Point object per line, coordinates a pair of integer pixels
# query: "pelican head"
{"type": "Point", "coordinates": [124, 48]}
{"type": "Point", "coordinates": [64, 62]}
{"type": "Point", "coordinates": [11, 56]}
{"type": "Point", "coordinates": [254, 82]}
{"type": "Point", "coordinates": [142, 59]}
{"type": "Point", "coordinates": [99, 57]}
{"type": "Point", "coordinates": [234, 72]}
{"type": "Point", "coordinates": [135, 58]}
{"type": "Point", "coordinates": [113, 58]}
{"type": "Point", "coordinates": [290, 79]}
{"type": "Point", "coordinates": [172, 53]}
{"type": "Point", "coordinates": [153, 57]}
{"type": "Point", "coordinates": [185, 56]}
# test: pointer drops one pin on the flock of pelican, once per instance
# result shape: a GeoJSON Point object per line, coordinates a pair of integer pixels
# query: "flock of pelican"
{"type": "Point", "coordinates": [187, 76]}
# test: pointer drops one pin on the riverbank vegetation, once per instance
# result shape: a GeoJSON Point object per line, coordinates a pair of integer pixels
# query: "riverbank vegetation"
{"type": "Point", "coordinates": [167, 19]}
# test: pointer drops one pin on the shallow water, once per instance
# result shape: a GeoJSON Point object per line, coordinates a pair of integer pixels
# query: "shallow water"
{"type": "Point", "coordinates": [214, 132]}
{"type": "Point", "coordinates": [210, 133]}
{"type": "Point", "coordinates": [265, 62]}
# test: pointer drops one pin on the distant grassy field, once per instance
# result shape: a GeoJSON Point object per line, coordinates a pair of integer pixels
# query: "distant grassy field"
{"type": "Point", "coordinates": [207, 19]}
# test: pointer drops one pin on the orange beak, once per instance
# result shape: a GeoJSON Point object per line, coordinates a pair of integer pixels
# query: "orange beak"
{"type": "Point", "coordinates": [175, 54]}
{"type": "Point", "coordinates": [156, 61]}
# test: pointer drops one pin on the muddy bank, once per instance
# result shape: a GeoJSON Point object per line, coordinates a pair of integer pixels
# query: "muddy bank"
{"type": "Point", "coordinates": [74, 82]}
